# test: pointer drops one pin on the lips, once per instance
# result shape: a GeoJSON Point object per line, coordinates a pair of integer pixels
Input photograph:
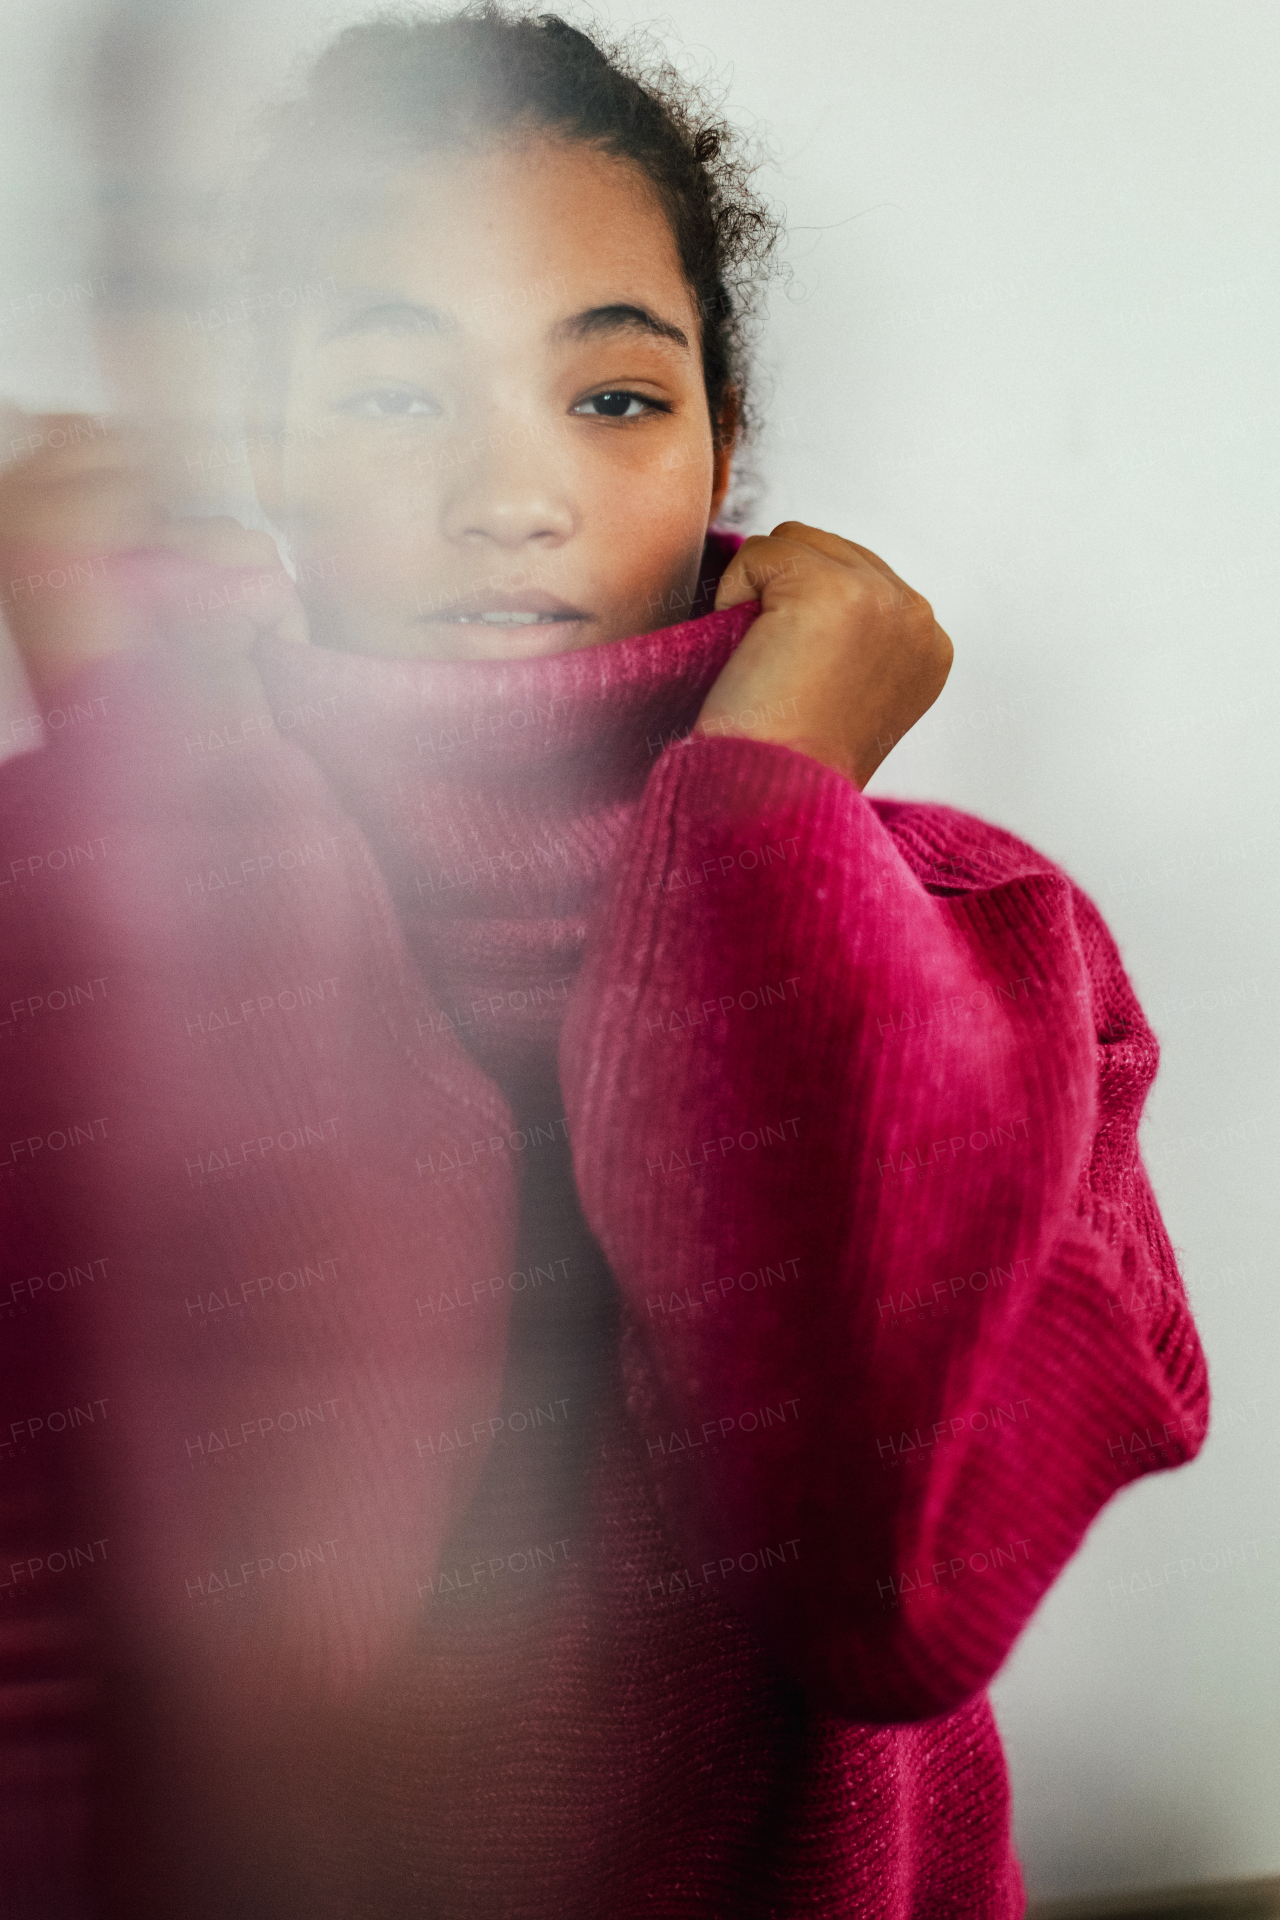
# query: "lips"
{"type": "Point", "coordinates": [491, 609]}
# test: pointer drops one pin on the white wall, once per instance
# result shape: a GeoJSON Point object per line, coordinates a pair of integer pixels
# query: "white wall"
{"type": "Point", "coordinates": [1029, 356]}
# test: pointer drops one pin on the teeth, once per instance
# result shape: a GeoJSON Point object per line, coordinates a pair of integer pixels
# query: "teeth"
{"type": "Point", "coordinates": [511, 619]}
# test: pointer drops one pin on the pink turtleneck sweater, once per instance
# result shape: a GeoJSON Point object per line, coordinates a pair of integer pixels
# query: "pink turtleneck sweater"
{"type": "Point", "coordinates": [568, 1293]}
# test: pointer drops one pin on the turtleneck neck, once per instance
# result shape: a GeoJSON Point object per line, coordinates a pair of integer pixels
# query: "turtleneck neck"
{"type": "Point", "coordinates": [494, 795]}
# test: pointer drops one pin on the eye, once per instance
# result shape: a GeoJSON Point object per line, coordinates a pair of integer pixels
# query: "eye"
{"type": "Point", "coordinates": [616, 404]}
{"type": "Point", "coordinates": [388, 403]}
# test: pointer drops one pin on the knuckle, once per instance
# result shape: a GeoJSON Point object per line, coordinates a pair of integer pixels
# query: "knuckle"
{"type": "Point", "coordinates": [851, 589]}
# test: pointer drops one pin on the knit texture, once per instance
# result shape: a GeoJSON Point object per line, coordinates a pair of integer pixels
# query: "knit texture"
{"type": "Point", "coordinates": [610, 1274]}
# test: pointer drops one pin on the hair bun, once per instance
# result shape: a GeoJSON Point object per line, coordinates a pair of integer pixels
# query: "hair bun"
{"type": "Point", "coordinates": [553, 24]}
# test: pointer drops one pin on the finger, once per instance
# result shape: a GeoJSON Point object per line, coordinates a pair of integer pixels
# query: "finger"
{"type": "Point", "coordinates": [222, 542]}
{"type": "Point", "coordinates": [838, 548]}
{"type": "Point", "coordinates": [50, 453]}
{"type": "Point", "coordinates": [51, 439]}
{"type": "Point", "coordinates": [734, 589]}
{"type": "Point", "coordinates": [907, 595]}
{"type": "Point", "coordinates": [254, 578]}
{"type": "Point", "coordinates": [274, 605]}
{"type": "Point", "coordinates": [834, 545]}
{"type": "Point", "coordinates": [760, 563]}
{"type": "Point", "coordinates": [765, 562]}
{"type": "Point", "coordinates": [83, 461]}
{"type": "Point", "coordinates": [771, 556]}
{"type": "Point", "coordinates": [291, 622]}
{"type": "Point", "coordinates": [108, 508]}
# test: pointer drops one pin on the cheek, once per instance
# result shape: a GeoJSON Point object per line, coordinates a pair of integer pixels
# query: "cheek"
{"type": "Point", "coordinates": [373, 510]}
{"type": "Point", "coordinates": [668, 487]}
{"type": "Point", "coordinates": [658, 524]}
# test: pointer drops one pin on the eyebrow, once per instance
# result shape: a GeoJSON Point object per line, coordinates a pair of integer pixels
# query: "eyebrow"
{"type": "Point", "coordinates": [372, 314]}
{"type": "Point", "coordinates": [621, 317]}
{"type": "Point", "coordinates": [382, 314]}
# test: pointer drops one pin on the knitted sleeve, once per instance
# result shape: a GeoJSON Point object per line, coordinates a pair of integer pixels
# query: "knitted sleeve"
{"type": "Point", "coordinates": [855, 1122]}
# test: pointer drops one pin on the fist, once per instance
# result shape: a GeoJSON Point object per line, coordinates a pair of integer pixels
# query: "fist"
{"type": "Point", "coordinates": [93, 560]}
{"type": "Point", "coordinates": [843, 658]}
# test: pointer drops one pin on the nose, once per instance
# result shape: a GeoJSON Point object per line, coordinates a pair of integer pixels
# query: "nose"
{"type": "Point", "coordinates": [509, 488]}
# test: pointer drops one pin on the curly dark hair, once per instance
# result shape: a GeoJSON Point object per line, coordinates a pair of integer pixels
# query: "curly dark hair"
{"type": "Point", "coordinates": [403, 84]}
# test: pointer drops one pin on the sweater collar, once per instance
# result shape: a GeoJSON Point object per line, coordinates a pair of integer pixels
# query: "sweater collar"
{"type": "Point", "coordinates": [495, 796]}
{"type": "Point", "coordinates": [476, 720]}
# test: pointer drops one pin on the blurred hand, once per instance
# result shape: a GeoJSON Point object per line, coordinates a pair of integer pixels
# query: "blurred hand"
{"type": "Point", "coordinates": [842, 660]}
{"type": "Point", "coordinates": [93, 561]}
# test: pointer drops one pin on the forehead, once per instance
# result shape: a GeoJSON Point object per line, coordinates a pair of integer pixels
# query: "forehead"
{"type": "Point", "coordinates": [511, 237]}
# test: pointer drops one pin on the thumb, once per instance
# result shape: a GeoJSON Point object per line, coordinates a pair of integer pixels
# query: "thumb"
{"type": "Point", "coordinates": [736, 587]}
{"type": "Point", "coordinates": [257, 589]}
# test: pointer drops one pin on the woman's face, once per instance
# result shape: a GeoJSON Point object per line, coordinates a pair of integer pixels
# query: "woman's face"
{"type": "Point", "coordinates": [495, 439]}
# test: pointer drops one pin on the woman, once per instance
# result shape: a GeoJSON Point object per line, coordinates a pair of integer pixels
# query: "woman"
{"type": "Point", "coordinates": [606, 1234]}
